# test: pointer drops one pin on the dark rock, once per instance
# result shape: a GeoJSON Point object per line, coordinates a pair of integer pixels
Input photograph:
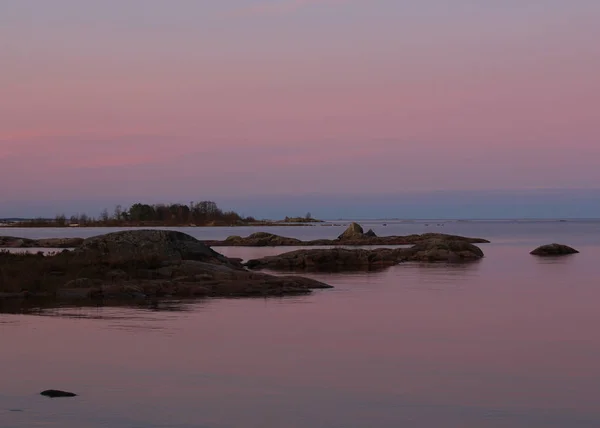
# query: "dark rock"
{"type": "Point", "coordinates": [370, 234]}
{"type": "Point", "coordinates": [332, 260]}
{"type": "Point", "coordinates": [82, 283]}
{"type": "Point", "coordinates": [344, 259]}
{"type": "Point", "coordinates": [148, 244]}
{"type": "Point", "coordinates": [353, 236]}
{"type": "Point", "coordinates": [55, 393]}
{"type": "Point", "coordinates": [437, 250]}
{"type": "Point", "coordinates": [116, 275]}
{"type": "Point", "coordinates": [14, 242]}
{"type": "Point", "coordinates": [554, 250]}
{"type": "Point", "coordinates": [59, 242]}
{"type": "Point", "coordinates": [75, 293]}
{"type": "Point", "coordinates": [141, 264]}
{"type": "Point", "coordinates": [14, 295]}
{"type": "Point", "coordinates": [262, 239]}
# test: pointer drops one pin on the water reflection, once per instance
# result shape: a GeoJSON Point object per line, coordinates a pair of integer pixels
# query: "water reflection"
{"type": "Point", "coordinates": [510, 341]}
{"type": "Point", "coordinates": [120, 309]}
{"type": "Point", "coordinates": [85, 308]}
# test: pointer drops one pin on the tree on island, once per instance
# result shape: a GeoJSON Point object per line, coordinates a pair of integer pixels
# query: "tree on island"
{"type": "Point", "coordinates": [201, 213]}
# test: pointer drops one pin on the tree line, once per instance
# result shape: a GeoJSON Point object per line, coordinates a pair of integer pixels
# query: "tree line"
{"type": "Point", "coordinates": [202, 213]}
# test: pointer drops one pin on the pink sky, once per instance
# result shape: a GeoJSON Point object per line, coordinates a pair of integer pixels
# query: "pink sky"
{"type": "Point", "coordinates": [297, 97]}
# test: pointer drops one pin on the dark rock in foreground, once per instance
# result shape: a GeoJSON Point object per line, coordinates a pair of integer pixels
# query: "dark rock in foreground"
{"type": "Point", "coordinates": [55, 393]}
{"type": "Point", "coordinates": [140, 264]}
{"type": "Point", "coordinates": [554, 250]}
{"type": "Point", "coordinates": [344, 259]}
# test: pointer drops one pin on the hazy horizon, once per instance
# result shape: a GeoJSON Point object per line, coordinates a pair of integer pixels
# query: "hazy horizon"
{"type": "Point", "coordinates": [512, 204]}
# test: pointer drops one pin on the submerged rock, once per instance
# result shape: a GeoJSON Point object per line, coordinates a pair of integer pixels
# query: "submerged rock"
{"type": "Point", "coordinates": [55, 393]}
{"type": "Point", "coordinates": [554, 250]}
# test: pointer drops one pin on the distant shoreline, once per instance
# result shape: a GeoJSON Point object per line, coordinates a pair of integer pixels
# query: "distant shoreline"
{"type": "Point", "coordinates": [196, 214]}
{"type": "Point", "coordinates": [93, 223]}
{"type": "Point", "coordinates": [31, 224]}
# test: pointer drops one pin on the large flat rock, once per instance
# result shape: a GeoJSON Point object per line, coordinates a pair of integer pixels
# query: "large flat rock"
{"type": "Point", "coordinates": [345, 259]}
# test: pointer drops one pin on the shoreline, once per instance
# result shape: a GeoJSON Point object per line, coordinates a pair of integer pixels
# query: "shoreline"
{"type": "Point", "coordinates": [153, 225]}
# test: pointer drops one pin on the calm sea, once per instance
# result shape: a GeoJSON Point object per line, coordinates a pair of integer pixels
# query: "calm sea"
{"type": "Point", "coordinates": [510, 341]}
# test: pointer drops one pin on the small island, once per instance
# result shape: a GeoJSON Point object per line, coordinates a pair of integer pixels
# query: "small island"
{"type": "Point", "coordinates": [147, 264]}
{"type": "Point", "coordinates": [344, 259]}
{"type": "Point", "coordinates": [194, 214]}
{"type": "Point", "coordinates": [554, 250]}
{"type": "Point", "coordinates": [139, 264]}
{"type": "Point", "coordinates": [354, 235]}
{"type": "Point", "coordinates": [308, 218]}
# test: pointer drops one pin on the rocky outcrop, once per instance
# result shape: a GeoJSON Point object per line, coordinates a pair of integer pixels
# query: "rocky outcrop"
{"type": "Point", "coordinates": [350, 238]}
{"type": "Point", "coordinates": [344, 259]}
{"type": "Point", "coordinates": [262, 239]}
{"type": "Point", "coordinates": [437, 250]}
{"type": "Point", "coordinates": [140, 264]}
{"type": "Point", "coordinates": [554, 250]}
{"type": "Point", "coordinates": [147, 245]}
{"type": "Point", "coordinates": [58, 242]}
{"type": "Point", "coordinates": [331, 260]}
{"type": "Point", "coordinates": [354, 231]}
{"type": "Point", "coordinates": [15, 242]}
{"type": "Point", "coordinates": [370, 234]}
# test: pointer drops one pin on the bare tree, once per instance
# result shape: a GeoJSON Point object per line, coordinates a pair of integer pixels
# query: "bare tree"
{"type": "Point", "coordinates": [118, 214]}
{"type": "Point", "coordinates": [61, 220]}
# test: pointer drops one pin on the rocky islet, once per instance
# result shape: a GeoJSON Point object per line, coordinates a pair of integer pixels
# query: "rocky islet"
{"type": "Point", "coordinates": [344, 259]}
{"type": "Point", "coordinates": [352, 236]}
{"type": "Point", "coordinates": [554, 249]}
{"type": "Point", "coordinates": [140, 264]}
{"type": "Point", "coordinates": [152, 263]}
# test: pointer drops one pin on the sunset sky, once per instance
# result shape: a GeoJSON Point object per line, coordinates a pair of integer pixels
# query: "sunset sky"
{"type": "Point", "coordinates": [118, 101]}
